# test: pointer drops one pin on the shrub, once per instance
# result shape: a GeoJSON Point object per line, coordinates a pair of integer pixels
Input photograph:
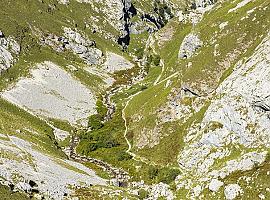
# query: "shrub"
{"type": "Point", "coordinates": [91, 147]}
{"type": "Point", "coordinates": [101, 108]}
{"type": "Point", "coordinates": [95, 122]}
{"type": "Point", "coordinates": [139, 53]}
{"type": "Point", "coordinates": [144, 87]}
{"type": "Point", "coordinates": [121, 156]}
{"type": "Point", "coordinates": [152, 172]}
{"type": "Point", "coordinates": [142, 194]}
{"type": "Point", "coordinates": [167, 175]}
{"type": "Point", "coordinates": [153, 59]}
{"type": "Point", "coordinates": [156, 60]}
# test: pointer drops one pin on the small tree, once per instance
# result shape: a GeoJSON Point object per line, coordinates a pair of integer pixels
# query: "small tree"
{"type": "Point", "coordinates": [156, 60]}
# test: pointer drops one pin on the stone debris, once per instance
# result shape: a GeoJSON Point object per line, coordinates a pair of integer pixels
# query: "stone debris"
{"type": "Point", "coordinates": [85, 48]}
{"type": "Point", "coordinates": [74, 42]}
{"type": "Point", "coordinates": [60, 135]}
{"type": "Point", "coordinates": [197, 190]}
{"type": "Point", "coordinates": [215, 184]}
{"type": "Point", "coordinates": [161, 190]}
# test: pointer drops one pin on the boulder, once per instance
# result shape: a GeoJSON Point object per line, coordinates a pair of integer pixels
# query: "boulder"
{"type": "Point", "coordinates": [232, 191]}
{"type": "Point", "coordinates": [215, 184]}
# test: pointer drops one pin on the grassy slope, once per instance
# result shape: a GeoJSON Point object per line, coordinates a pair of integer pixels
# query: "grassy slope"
{"type": "Point", "coordinates": [14, 118]}
{"type": "Point", "coordinates": [17, 21]}
{"type": "Point", "coordinates": [205, 69]}
{"type": "Point", "coordinates": [150, 99]}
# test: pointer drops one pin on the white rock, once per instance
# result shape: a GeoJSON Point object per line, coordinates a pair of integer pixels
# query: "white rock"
{"type": "Point", "coordinates": [243, 94]}
{"type": "Point", "coordinates": [189, 46]}
{"type": "Point", "coordinates": [53, 93]}
{"type": "Point", "coordinates": [23, 186]}
{"type": "Point", "coordinates": [215, 184]}
{"type": "Point", "coordinates": [9, 49]}
{"type": "Point", "coordinates": [261, 196]}
{"type": "Point", "coordinates": [161, 190]}
{"type": "Point", "coordinates": [239, 5]}
{"type": "Point", "coordinates": [60, 134]}
{"type": "Point", "coordinates": [82, 46]}
{"type": "Point", "coordinates": [116, 62]}
{"type": "Point", "coordinates": [54, 176]}
{"type": "Point", "coordinates": [232, 191]}
{"type": "Point", "coordinates": [197, 190]}
{"type": "Point", "coordinates": [222, 25]}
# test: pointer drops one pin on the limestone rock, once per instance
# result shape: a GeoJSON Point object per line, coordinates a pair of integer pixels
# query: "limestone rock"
{"type": "Point", "coordinates": [82, 46]}
{"type": "Point", "coordinates": [215, 184]}
{"type": "Point", "coordinates": [9, 49]}
{"type": "Point", "coordinates": [52, 92]}
{"type": "Point", "coordinates": [232, 191]}
{"type": "Point", "coordinates": [116, 62]}
{"type": "Point", "coordinates": [189, 46]}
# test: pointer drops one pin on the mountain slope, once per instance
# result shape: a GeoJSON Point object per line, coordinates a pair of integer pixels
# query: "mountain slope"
{"type": "Point", "coordinates": [134, 99]}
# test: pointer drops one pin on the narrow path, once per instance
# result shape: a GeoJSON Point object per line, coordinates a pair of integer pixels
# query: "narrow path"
{"type": "Point", "coordinates": [126, 126]}
{"type": "Point", "coordinates": [137, 157]}
{"type": "Point", "coordinates": [169, 77]}
{"type": "Point", "coordinates": [162, 70]}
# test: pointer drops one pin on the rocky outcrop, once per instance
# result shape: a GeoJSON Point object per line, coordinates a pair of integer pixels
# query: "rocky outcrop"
{"type": "Point", "coordinates": [148, 21]}
{"type": "Point", "coordinates": [128, 12]}
{"type": "Point", "coordinates": [232, 191]}
{"type": "Point", "coordinates": [115, 63]}
{"type": "Point", "coordinates": [202, 3]}
{"type": "Point", "coordinates": [32, 171]}
{"type": "Point", "coordinates": [237, 117]}
{"type": "Point", "coordinates": [82, 46]}
{"type": "Point", "coordinates": [189, 46]}
{"type": "Point", "coordinates": [181, 105]}
{"type": "Point", "coordinates": [74, 42]}
{"type": "Point", "coordinates": [9, 49]}
{"type": "Point", "coordinates": [53, 93]}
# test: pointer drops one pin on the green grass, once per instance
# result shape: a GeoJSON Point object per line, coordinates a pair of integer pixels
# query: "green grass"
{"type": "Point", "coordinates": [97, 192]}
{"type": "Point", "coordinates": [98, 170]}
{"type": "Point", "coordinates": [205, 70]}
{"type": "Point", "coordinates": [7, 194]}
{"type": "Point", "coordinates": [32, 128]}
{"type": "Point", "coordinates": [109, 145]}
{"type": "Point", "coordinates": [251, 190]}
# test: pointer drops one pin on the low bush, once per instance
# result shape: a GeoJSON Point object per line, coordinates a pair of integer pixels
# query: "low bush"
{"type": "Point", "coordinates": [95, 122]}
{"type": "Point", "coordinates": [121, 156]}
